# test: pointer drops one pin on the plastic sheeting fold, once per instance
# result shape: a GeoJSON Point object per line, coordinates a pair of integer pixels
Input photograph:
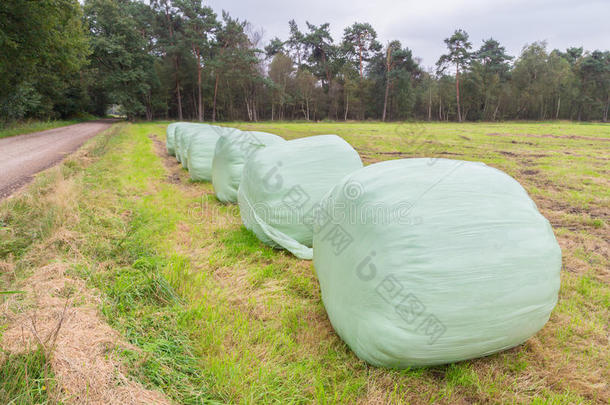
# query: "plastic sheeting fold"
{"type": "Point", "coordinates": [282, 183]}
{"type": "Point", "coordinates": [230, 155]}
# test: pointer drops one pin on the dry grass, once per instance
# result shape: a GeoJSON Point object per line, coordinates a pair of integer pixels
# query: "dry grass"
{"type": "Point", "coordinates": [61, 315]}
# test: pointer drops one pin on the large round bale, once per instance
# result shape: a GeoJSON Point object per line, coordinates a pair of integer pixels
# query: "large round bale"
{"type": "Point", "coordinates": [184, 135]}
{"type": "Point", "coordinates": [282, 183]}
{"type": "Point", "coordinates": [232, 151]}
{"type": "Point", "coordinates": [170, 142]}
{"type": "Point", "coordinates": [200, 150]}
{"type": "Point", "coordinates": [178, 131]}
{"type": "Point", "coordinates": [424, 262]}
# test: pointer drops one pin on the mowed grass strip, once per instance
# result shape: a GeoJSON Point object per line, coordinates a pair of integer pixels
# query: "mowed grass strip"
{"type": "Point", "coordinates": [217, 316]}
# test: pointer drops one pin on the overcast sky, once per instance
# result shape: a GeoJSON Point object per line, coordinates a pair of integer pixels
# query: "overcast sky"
{"type": "Point", "coordinates": [423, 24]}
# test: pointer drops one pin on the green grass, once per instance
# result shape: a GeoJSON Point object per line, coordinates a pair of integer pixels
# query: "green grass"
{"type": "Point", "coordinates": [26, 378]}
{"type": "Point", "coordinates": [218, 316]}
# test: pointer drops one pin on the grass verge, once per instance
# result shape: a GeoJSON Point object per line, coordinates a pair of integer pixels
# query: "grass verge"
{"type": "Point", "coordinates": [26, 127]}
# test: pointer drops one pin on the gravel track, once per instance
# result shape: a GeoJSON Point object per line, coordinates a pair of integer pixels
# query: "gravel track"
{"type": "Point", "coordinates": [22, 156]}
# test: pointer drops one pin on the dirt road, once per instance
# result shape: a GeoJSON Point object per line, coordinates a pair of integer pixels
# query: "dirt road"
{"type": "Point", "coordinates": [22, 156]}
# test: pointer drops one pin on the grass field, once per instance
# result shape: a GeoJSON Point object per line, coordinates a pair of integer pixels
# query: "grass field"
{"type": "Point", "coordinates": [205, 313]}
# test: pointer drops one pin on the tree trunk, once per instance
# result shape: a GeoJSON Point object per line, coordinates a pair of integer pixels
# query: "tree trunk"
{"type": "Point", "coordinates": [176, 65]}
{"type": "Point", "coordinates": [326, 70]}
{"type": "Point", "coordinates": [430, 102]}
{"type": "Point", "coordinates": [558, 106]}
{"type": "Point", "coordinates": [149, 112]}
{"type": "Point", "coordinates": [194, 106]}
{"type": "Point", "coordinates": [178, 95]}
{"type": "Point", "coordinates": [248, 110]}
{"type": "Point", "coordinates": [385, 98]}
{"type": "Point", "coordinates": [440, 108]}
{"type": "Point", "coordinates": [457, 92]}
{"type": "Point", "coordinates": [199, 98]}
{"type": "Point", "coordinates": [360, 48]}
{"type": "Point", "coordinates": [346, 105]}
{"type": "Point", "coordinates": [388, 67]}
{"type": "Point", "coordinates": [215, 93]}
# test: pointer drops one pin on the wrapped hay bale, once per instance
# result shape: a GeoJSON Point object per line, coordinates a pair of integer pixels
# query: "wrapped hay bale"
{"type": "Point", "coordinates": [177, 134]}
{"type": "Point", "coordinates": [200, 150]}
{"type": "Point", "coordinates": [184, 137]}
{"type": "Point", "coordinates": [425, 262]}
{"type": "Point", "coordinates": [170, 142]}
{"type": "Point", "coordinates": [182, 134]}
{"type": "Point", "coordinates": [281, 183]}
{"type": "Point", "coordinates": [232, 151]}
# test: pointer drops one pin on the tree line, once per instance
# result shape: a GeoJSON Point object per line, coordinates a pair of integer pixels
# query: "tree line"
{"type": "Point", "coordinates": [178, 59]}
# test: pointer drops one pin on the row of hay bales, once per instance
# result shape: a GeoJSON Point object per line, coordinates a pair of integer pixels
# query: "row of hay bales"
{"type": "Point", "coordinates": [420, 261]}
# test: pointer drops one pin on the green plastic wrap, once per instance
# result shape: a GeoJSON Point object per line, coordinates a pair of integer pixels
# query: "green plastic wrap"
{"type": "Point", "coordinates": [177, 134]}
{"type": "Point", "coordinates": [185, 137]}
{"type": "Point", "coordinates": [182, 139]}
{"type": "Point", "coordinates": [232, 151]}
{"type": "Point", "coordinates": [282, 182]}
{"type": "Point", "coordinates": [199, 150]}
{"type": "Point", "coordinates": [170, 141]}
{"type": "Point", "coordinates": [425, 261]}
{"type": "Point", "coordinates": [180, 131]}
